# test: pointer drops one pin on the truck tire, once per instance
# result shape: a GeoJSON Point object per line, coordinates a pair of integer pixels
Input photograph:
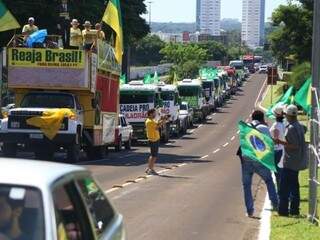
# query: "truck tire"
{"type": "Point", "coordinates": [128, 144]}
{"type": "Point", "coordinates": [73, 153]}
{"type": "Point", "coordinates": [118, 147]}
{"type": "Point", "coordinates": [44, 154]}
{"type": "Point", "coordinates": [96, 152]}
{"type": "Point", "coordinates": [9, 149]}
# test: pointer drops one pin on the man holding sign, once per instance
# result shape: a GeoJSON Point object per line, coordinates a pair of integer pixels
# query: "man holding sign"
{"type": "Point", "coordinates": [257, 156]}
{"type": "Point", "coordinates": [153, 135]}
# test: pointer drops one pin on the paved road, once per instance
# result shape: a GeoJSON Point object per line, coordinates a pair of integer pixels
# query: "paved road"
{"type": "Point", "coordinates": [198, 195]}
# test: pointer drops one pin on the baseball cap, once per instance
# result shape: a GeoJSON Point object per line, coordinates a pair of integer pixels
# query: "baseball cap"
{"type": "Point", "coordinates": [31, 19]}
{"type": "Point", "coordinates": [74, 22]}
{"type": "Point", "coordinates": [292, 110]}
{"type": "Point", "coordinates": [278, 110]}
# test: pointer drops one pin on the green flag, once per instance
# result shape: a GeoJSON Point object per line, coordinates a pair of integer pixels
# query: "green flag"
{"type": "Point", "coordinates": [304, 95]}
{"type": "Point", "coordinates": [147, 79]}
{"type": "Point", "coordinates": [257, 146]}
{"type": "Point", "coordinates": [286, 99]}
{"type": "Point", "coordinates": [123, 79]}
{"type": "Point", "coordinates": [155, 78]}
{"type": "Point", "coordinates": [7, 20]}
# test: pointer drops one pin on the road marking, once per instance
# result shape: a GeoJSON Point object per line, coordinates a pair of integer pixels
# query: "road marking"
{"type": "Point", "coordinates": [168, 144]}
{"type": "Point", "coordinates": [264, 232]}
{"type": "Point", "coordinates": [192, 131]}
{"type": "Point", "coordinates": [233, 138]}
{"type": "Point", "coordinates": [209, 118]}
{"type": "Point", "coordinates": [225, 145]}
{"type": "Point", "coordinates": [214, 152]}
{"type": "Point", "coordinates": [126, 184]}
{"type": "Point", "coordinates": [111, 190]}
{"type": "Point", "coordinates": [182, 164]}
{"type": "Point", "coordinates": [214, 114]}
{"type": "Point", "coordinates": [200, 126]}
{"type": "Point", "coordinates": [238, 132]}
{"type": "Point", "coordinates": [261, 90]}
{"type": "Point", "coordinates": [204, 157]}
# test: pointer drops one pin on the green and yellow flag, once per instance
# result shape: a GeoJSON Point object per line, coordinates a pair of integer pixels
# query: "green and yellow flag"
{"type": "Point", "coordinates": [257, 146]}
{"type": "Point", "coordinates": [147, 79]}
{"type": "Point", "coordinates": [286, 99]}
{"type": "Point", "coordinates": [113, 18]}
{"type": "Point", "coordinates": [304, 96]}
{"type": "Point", "coordinates": [155, 78]}
{"type": "Point", "coordinates": [7, 20]}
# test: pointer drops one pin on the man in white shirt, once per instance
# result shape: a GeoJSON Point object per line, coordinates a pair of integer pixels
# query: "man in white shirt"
{"type": "Point", "coordinates": [277, 131]}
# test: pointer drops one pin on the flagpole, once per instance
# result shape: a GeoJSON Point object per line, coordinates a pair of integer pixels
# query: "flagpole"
{"type": "Point", "coordinates": [314, 141]}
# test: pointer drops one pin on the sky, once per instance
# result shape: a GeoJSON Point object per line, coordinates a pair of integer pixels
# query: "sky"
{"type": "Point", "coordinates": [185, 10]}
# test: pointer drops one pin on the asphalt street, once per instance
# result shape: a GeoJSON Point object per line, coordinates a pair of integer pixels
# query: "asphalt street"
{"type": "Point", "coordinates": [198, 194]}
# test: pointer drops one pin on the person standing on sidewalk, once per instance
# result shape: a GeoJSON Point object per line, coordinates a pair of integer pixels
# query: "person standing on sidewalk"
{"type": "Point", "coordinates": [250, 166]}
{"type": "Point", "coordinates": [153, 135]}
{"type": "Point", "coordinates": [277, 131]}
{"type": "Point", "coordinates": [295, 160]}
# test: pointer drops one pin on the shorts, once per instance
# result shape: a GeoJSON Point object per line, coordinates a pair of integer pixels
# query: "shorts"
{"type": "Point", "coordinates": [154, 148]}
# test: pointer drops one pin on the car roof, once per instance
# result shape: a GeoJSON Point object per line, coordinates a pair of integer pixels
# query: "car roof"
{"type": "Point", "coordinates": [33, 173]}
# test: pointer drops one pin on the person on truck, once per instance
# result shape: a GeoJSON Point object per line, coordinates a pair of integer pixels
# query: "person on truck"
{"type": "Point", "coordinates": [100, 33]}
{"type": "Point", "coordinates": [153, 135]}
{"type": "Point", "coordinates": [89, 36]}
{"type": "Point", "coordinates": [76, 40]}
{"type": "Point", "coordinates": [29, 28]}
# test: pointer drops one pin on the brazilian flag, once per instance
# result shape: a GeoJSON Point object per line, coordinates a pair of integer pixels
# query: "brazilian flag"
{"type": "Point", "coordinates": [257, 146]}
{"type": "Point", "coordinates": [7, 20]}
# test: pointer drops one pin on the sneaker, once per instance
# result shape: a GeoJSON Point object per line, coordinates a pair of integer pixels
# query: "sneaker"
{"type": "Point", "coordinates": [152, 172]}
{"type": "Point", "coordinates": [250, 215]}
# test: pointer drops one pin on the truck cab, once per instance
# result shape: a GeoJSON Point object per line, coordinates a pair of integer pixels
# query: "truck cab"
{"type": "Point", "coordinates": [191, 91]}
{"type": "Point", "coordinates": [136, 98]}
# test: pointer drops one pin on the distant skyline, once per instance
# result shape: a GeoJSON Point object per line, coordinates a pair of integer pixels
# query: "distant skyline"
{"type": "Point", "coordinates": [185, 10]}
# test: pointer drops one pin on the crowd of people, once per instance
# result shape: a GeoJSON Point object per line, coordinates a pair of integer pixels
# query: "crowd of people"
{"type": "Point", "coordinates": [79, 39]}
{"type": "Point", "coordinates": [290, 157]}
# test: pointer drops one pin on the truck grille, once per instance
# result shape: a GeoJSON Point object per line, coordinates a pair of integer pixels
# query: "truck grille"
{"type": "Point", "coordinates": [20, 122]}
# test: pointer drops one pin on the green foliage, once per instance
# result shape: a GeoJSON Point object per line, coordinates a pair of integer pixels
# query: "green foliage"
{"type": "Point", "coordinates": [299, 74]}
{"type": "Point", "coordinates": [146, 51]}
{"type": "Point", "coordinates": [293, 33]}
{"type": "Point", "coordinates": [215, 50]}
{"type": "Point", "coordinates": [187, 59]}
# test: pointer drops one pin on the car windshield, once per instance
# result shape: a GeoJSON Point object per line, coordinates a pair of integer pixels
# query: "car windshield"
{"type": "Point", "coordinates": [47, 100]}
{"type": "Point", "coordinates": [167, 96]}
{"type": "Point", "coordinates": [21, 213]}
{"type": "Point", "coordinates": [188, 91]}
{"type": "Point", "coordinates": [183, 107]}
{"type": "Point", "coordinates": [136, 98]}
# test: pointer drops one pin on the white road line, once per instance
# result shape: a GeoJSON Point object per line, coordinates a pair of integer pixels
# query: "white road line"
{"type": "Point", "coordinates": [225, 145]}
{"type": "Point", "coordinates": [233, 138]}
{"type": "Point", "coordinates": [214, 114]}
{"type": "Point", "coordinates": [111, 190]}
{"type": "Point", "coordinates": [200, 126]}
{"type": "Point", "coordinates": [215, 151]}
{"type": "Point", "coordinates": [192, 131]}
{"type": "Point", "coordinates": [204, 157]}
{"type": "Point", "coordinates": [126, 184]}
{"type": "Point", "coordinates": [261, 90]}
{"type": "Point", "coordinates": [264, 232]}
{"type": "Point", "coordinates": [238, 132]}
{"type": "Point", "coordinates": [182, 164]}
{"type": "Point", "coordinates": [168, 144]}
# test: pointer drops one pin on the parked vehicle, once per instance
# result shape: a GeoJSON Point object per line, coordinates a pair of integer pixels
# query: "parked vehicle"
{"type": "Point", "coordinates": [69, 101]}
{"type": "Point", "coordinates": [239, 66]}
{"type": "Point", "coordinates": [124, 133]}
{"type": "Point", "coordinates": [57, 201]}
{"type": "Point", "coordinates": [263, 69]}
{"type": "Point", "coordinates": [136, 98]}
{"type": "Point", "coordinates": [191, 91]}
{"type": "Point", "coordinates": [186, 112]}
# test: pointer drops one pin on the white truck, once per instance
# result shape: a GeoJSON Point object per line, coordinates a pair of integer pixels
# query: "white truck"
{"type": "Point", "coordinates": [136, 98]}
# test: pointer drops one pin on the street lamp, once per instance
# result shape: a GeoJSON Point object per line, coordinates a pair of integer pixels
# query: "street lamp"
{"type": "Point", "coordinates": [150, 8]}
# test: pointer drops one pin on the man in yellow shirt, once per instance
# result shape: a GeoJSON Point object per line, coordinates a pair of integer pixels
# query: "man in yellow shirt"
{"type": "Point", "coordinates": [29, 28]}
{"type": "Point", "coordinates": [89, 36]}
{"type": "Point", "coordinates": [100, 33]}
{"type": "Point", "coordinates": [153, 135]}
{"type": "Point", "coordinates": [76, 40]}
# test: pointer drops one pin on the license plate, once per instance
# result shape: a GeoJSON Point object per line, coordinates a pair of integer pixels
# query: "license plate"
{"type": "Point", "coordinates": [36, 136]}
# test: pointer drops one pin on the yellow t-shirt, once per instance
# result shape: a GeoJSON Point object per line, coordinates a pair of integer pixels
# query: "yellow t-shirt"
{"type": "Point", "coordinates": [28, 29]}
{"type": "Point", "coordinates": [75, 37]}
{"type": "Point", "coordinates": [101, 35]}
{"type": "Point", "coordinates": [89, 36]}
{"type": "Point", "coordinates": [153, 133]}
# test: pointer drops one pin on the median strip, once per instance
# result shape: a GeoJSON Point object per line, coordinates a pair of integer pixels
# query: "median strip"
{"type": "Point", "coordinates": [225, 145]}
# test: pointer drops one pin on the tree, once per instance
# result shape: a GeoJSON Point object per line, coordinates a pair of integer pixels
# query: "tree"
{"type": "Point", "coordinates": [146, 51]}
{"type": "Point", "coordinates": [215, 50]}
{"type": "Point", "coordinates": [293, 34]}
{"type": "Point", "coordinates": [187, 59]}
{"type": "Point", "coordinates": [299, 74]}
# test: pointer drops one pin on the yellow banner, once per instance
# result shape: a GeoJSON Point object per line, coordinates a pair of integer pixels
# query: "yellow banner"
{"type": "Point", "coordinates": [46, 58]}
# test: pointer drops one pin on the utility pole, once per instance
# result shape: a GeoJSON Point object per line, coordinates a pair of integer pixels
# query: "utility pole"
{"type": "Point", "coordinates": [313, 168]}
{"type": "Point", "coordinates": [150, 8]}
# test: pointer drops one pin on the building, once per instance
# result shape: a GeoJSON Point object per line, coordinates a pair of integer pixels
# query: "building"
{"type": "Point", "coordinates": [208, 17]}
{"type": "Point", "coordinates": [253, 15]}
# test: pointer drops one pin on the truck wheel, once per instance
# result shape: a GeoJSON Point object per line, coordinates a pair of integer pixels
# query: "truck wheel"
{"type": "Point", "coordinates": [44, 154]}
{"type": "Point", "coordinates": [128, 144]}
{"type": "Point", "coordinates": [9, 149]}
{"type": "Point", "coordinates": [73, 153]}
{"type": "Point", "coordinates": [96, 152]}
{"type": "Point", "coordinates": [118, 147]}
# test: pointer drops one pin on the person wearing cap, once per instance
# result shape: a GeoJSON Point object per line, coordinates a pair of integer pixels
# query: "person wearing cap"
{"type": "Point", "coordinates": [277, 131]}
{"type": "Point", "coordinates": [89, 36]}
{"type": "Point", "coordinates": [76, 40]}
{"type": "Point", "coordinates": [29, 28]}
{"type": "Point", "coordinates": [100, 33]}
{"type": "Point", "coordinates": [295, 160]}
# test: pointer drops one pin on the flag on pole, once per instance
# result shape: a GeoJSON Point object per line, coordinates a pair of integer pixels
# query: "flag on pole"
{"type": "Point", "coordinates": [113, 18]}
{"type": "Point", "coordinates": [147, 79]}
{"type": "Point", "coordinates": [7, 20]}
{"type": "Point", "coordinates": [304, 95]}
{"type": "Point", "coordinates": [257, 146]}
{"type": "Point", "coordinates": [156, 78]}
{"type": "Point", "coordinates": [123, 79]}
{"type": "Point", "coordinates": [286, 99]}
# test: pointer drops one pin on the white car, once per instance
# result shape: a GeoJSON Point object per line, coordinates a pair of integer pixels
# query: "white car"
{"type": "Point", "coordinates": [263, 69]}
{"type": "Point", "coordinates": [124, 134]}
{"type": "Point", "coordinates": [50, 201]}
{"type": "Point", "coordinates": [186, 112]}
